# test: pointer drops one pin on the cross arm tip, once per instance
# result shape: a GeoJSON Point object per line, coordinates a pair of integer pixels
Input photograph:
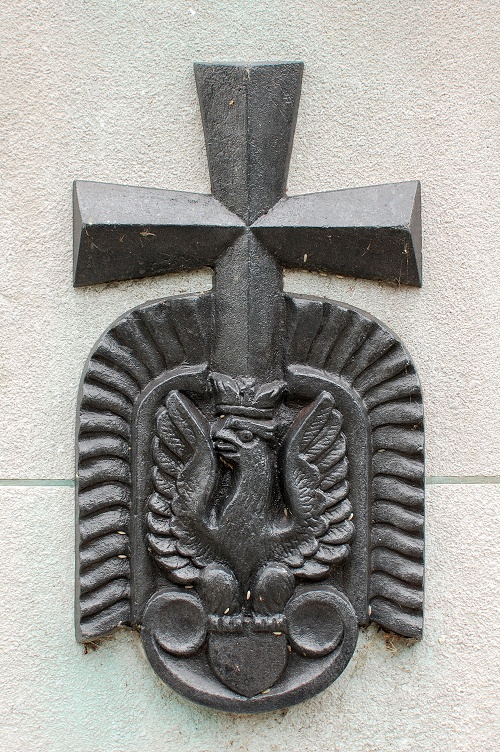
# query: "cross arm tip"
{"type": "Point", "coordinates": [372, 233]}
{"type": "Point", "coordinates": [125, 232]}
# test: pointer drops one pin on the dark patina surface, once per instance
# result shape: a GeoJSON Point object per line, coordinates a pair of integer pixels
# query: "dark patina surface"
{"type": "Point", "coordinates": [250, 477]}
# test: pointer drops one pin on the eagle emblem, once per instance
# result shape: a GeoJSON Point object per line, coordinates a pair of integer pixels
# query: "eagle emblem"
{"type": "Point", "coordinates": [244, 524]}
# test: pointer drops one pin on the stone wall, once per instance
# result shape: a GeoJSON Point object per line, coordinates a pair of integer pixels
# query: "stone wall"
{"type": "Point", "coordinates": [104, 90]}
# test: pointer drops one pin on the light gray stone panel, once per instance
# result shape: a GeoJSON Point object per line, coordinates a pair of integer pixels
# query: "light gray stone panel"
{"type": "Point", "coordinates": [105, 91]}
{"type": "Point", "coordinates": [438, 694]}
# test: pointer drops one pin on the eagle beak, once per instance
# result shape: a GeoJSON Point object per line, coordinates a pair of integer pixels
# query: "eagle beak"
{"type": "Point", "coordinates": [224, 445]}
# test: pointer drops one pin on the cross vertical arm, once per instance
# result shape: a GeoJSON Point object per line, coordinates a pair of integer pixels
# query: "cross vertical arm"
{"type": "Point", "coordinates": [249, 114]}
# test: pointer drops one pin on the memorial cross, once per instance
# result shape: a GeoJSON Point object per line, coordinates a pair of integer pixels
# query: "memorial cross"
{"type": "Point", "coordinates": [248, 228]}
{"type": "Point", "coordinates": [249, 513]}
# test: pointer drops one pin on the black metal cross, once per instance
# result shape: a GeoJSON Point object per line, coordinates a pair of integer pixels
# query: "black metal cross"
{"type": "Point", "coordinates": [248, 229]}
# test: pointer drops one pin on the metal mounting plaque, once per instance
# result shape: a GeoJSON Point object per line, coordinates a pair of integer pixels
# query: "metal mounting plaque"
{"type": "Point", "coordinates": [250, 463]}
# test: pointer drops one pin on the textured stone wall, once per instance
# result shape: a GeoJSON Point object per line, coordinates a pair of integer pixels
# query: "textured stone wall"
{"type": "Point", "coordinates": [104, 90]}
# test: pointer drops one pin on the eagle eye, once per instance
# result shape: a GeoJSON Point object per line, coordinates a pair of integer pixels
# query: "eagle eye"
{"type": "Point", "coordinates": [245, 435]}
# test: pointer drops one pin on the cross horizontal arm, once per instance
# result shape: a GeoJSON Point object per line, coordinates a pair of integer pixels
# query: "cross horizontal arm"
{"type": "Point", "coordinates": [371, 232]}
{"type": "Point", "coordinates": [125, 232]}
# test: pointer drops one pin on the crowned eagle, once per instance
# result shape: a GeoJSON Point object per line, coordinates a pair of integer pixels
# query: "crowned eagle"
{"type": "Point", "coordinates": [252, 541]}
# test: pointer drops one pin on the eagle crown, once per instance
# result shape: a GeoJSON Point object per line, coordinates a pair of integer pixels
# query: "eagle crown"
{"type": "Point", "coordinates": [245, 425]}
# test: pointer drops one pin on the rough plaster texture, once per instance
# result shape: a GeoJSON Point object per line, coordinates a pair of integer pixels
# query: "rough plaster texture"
{"type": "Point", "coordinates": [440, 694]}
{"type": "Point", "coordinates": [104, 90]}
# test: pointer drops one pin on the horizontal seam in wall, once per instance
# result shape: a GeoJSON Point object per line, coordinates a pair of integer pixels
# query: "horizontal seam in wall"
{"type": "Point", "coordinates": [38, 482]}
{"type": "Point", "coordinates": [443, 480]}
{"type": "Point", "coordinates": [430, 480]}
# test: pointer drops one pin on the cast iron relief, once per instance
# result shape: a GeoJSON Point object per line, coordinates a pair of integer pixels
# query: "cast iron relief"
{"type": "Point", "coordinates": [250, 472]}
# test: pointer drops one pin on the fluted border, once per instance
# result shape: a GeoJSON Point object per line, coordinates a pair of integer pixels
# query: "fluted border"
{"type": "Point", "coordinates": [142, 345]}
{"type": "Point", "coordinates": [330, 337]}
{"type": "Point", "coordinates": [349, 344]}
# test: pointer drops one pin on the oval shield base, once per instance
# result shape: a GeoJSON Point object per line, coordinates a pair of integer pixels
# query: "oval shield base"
{"type": "Point", "coordinates": [250, 670]}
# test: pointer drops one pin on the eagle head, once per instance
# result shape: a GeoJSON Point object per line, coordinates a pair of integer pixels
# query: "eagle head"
{"type": "Point", "coordinates": [238, 439]}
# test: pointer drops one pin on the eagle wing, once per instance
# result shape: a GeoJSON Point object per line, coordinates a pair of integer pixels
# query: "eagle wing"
{"type": "Point", "coordinates": [315, 466]}
{"type": "Point", "coordinates": [184, 475]}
